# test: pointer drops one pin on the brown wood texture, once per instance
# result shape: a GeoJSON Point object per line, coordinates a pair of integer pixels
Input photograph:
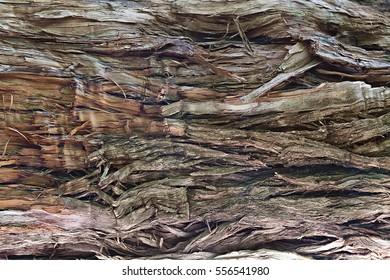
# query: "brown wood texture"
{"type": "Point", "coordinates": [195, 129]}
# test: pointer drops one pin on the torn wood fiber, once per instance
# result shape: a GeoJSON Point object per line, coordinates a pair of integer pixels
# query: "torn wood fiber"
{"type": "Point", "coordinates": [195, 129]}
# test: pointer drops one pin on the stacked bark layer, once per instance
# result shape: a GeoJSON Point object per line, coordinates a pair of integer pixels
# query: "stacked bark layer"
{"type": "Point", "coordinates": [174, 129]}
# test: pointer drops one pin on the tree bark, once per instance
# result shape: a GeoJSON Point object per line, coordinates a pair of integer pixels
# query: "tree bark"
{"type": "Point", "coordinates": [195, 129]}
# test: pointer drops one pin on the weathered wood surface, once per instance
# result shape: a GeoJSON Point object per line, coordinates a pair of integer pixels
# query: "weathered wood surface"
{"type": "Point", "coordinates": [195, 129]}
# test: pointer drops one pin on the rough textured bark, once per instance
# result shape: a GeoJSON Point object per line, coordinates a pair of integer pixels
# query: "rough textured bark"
{"type": "Point", "coordinates": [195, 129]}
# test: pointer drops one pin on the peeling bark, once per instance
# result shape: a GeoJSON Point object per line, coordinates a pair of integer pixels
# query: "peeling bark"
{"type": "Point", "coordinates": [174, 129]}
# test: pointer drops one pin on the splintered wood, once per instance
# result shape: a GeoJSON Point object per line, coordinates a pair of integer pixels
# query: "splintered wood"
{"type": "Point", "coordinates": [195, 129]}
